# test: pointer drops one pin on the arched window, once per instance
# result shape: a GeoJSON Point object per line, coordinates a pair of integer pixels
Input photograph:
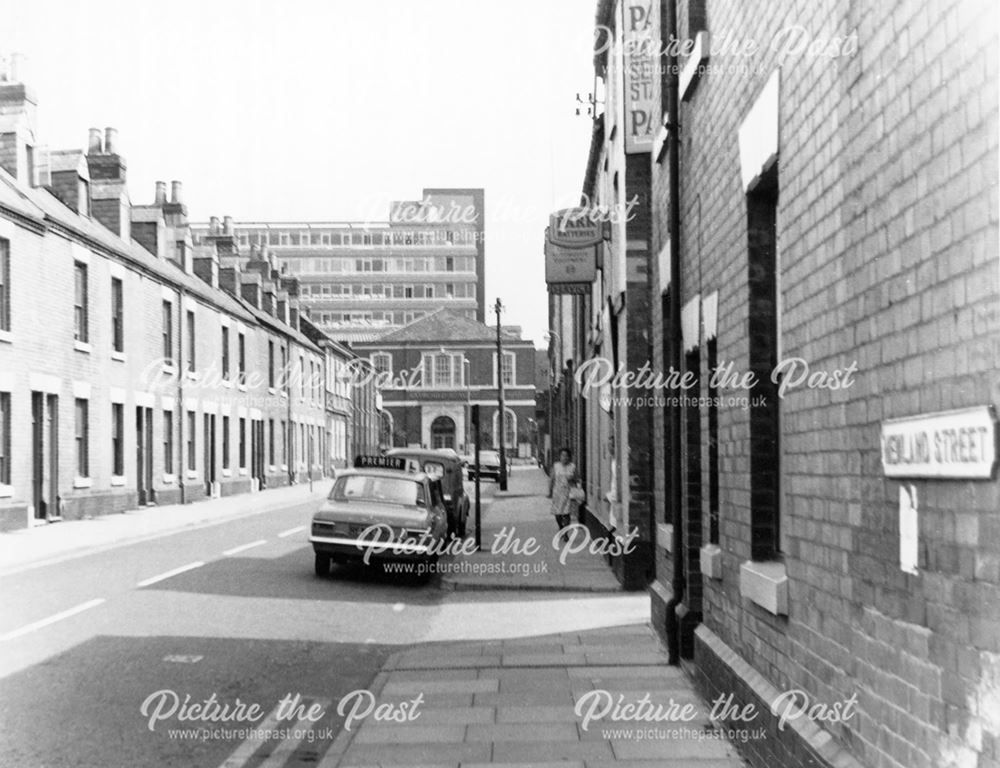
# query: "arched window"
{"type": "Point", "coordinates": [443, 432]}
{"type": "Point", "coordinates": [510, 430]}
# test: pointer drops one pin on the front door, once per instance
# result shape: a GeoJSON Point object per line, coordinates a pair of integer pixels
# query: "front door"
{"type": "Point", "coordinates": [209, 453]}
{"type": "Point", "coordinates": [45, 455]}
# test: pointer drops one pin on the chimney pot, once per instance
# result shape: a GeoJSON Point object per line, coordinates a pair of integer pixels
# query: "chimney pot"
{"type": "Point", "coordinates": [110, 141]}
{"type": "Point", "coordinates": [161, 192]}
{"type": "Point", "coordinates": [213, 225]}
{"type": "Point", "coordinates": [227, 225]}
{"type": "Point", "coordinates": [96, 144]}
{"type": "Point", "coordinates": [176, 189]}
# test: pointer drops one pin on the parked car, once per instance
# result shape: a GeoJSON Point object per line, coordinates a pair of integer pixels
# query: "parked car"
{"type": "Point", "coordinates": [446, 465]}
{"type": "Point", "coordinates": [489, 466]}
{"type": "Point", "coordinates": [389, 492]}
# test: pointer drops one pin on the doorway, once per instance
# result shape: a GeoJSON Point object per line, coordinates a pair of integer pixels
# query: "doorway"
{"type": "Point", "coordinates": [443, 432]}
{"type": "Point", "coordinates": [209, 453]}
{"type": "Point", "coordinates": [45, 455]}
{"type": "Point", "coordinates": [144, 455]}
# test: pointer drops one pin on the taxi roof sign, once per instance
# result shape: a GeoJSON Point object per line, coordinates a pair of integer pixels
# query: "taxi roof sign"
{"type": "Point", "coordinates": [397, 463]}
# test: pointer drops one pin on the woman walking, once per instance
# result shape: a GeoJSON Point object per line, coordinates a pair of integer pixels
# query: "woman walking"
{"type": "Point", "coordinates": [562, 480]}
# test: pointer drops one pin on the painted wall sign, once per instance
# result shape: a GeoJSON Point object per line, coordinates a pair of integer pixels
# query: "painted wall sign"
{"type": "Point", "coordinates": [952, 444]}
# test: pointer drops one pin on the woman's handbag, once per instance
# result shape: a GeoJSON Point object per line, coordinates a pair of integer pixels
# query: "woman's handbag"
{"type": "Point", "coordinates": [577, 495]}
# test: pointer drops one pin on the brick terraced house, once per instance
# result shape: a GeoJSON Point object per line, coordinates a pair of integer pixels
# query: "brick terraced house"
{"type": "Point", "coordinates": [135, 368]}
{"type": "Point", "coordinates": [823, 216]}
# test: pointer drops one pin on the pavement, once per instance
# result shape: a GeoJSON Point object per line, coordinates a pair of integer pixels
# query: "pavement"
{"type": "Point", "coordinates": [520, 549]}
{"type": "Point", "coordinates": [540, 702]}
{"type": "Point", "coordinates": [59, 541]}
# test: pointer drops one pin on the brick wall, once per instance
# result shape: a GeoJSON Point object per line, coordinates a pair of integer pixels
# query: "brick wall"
{"type": "Point", "coordinates": [887, 249]}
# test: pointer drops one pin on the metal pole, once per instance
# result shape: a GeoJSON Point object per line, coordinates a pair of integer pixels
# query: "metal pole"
{"type": "Point", "coordinates": [479, 520]}
{"type": "Point", "coordinates": [502, 416]}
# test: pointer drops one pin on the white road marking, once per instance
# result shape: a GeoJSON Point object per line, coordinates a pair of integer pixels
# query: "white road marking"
{"type": "Point", "coordinates": [52, 619]}
{"type": "Point", "coordinates": [242, 754]}
{"type": "Point", "coordinates": [180, 658]}
{"type": "Point", "coordinates": [291, 531]}
{"type": "Point", "coordinates": [168, 574]}
{"type": "Point", "coordinates": [296, 733]}
{"type": "Point", "coordinates": [244, 547]}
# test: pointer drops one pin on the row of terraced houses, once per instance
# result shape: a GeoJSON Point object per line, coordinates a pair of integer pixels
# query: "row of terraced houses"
{"type": "Point", "coordinates": [140, 368]}
{"type": "Point", "coordinates": [812, 200]}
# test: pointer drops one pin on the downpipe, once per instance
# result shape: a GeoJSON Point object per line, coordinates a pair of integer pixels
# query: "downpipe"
{"type": "Point", "coordinates": [668, 30]}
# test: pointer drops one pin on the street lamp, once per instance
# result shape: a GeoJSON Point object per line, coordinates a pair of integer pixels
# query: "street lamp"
{"type": "Point", "coordinates": [467, 380]}
{"type": "Point", "coordinates": [502, 415]}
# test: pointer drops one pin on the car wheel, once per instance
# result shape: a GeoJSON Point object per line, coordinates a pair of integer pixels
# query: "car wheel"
{"type": "Point", "coordinates": [322, 565]}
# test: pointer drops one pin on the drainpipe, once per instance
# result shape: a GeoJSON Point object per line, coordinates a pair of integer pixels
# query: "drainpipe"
{"type": "Point", "coordinates": [179, 409]}
{"type": "Point", "coordinates": [669, 15]}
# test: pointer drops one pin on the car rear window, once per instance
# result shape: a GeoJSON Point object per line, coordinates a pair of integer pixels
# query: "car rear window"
{"type": "Point", "coordinates": [383, 490]}
{"type": "Point", "coordinates": [434, 469]}
{"type": "Point", "coordinates": [489, 456]}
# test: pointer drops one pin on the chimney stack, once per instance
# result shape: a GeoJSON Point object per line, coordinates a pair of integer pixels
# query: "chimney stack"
{"type": "Point", "coordinates": [95, 146]}
{"type": "Point", "coordinates": [161, 193]}
{"type": "Point", "coordinates": [213, 225]}
{"type": "Point", "coordinates": [227, 225]}
{"type": "Point", "coordinates": [18, 109]}
{"type": "Point", "coordinates": [176, 189]}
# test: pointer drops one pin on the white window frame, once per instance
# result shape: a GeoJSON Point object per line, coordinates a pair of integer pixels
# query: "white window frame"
{"type": "Point", "coordinates": [513, 369]}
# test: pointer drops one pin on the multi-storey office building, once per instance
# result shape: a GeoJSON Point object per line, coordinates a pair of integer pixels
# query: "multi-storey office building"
{"type": "Point", "coordinates": [364, 279]}
{"type": "Point", "coordinates": [134, 371]}
{"type": "Point", "coordinates": [433, 370]}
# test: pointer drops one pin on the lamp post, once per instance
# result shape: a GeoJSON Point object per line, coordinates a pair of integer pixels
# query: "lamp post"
{"type": "Point", "coordinates": [467, 380]}
{"type": "Point", "coordinates": [502, 415]}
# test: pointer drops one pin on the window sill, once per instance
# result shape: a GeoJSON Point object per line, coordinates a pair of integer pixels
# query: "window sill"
{"type": "Point", "coordinates": [82, 346]}
{"type": "Point", "coordinates": [284, 467]}
{"type": "Point", "coordinates": [665, 537]}
{"type": "Point", "coordinates": [227, 383]}
{"type": "Point", "coordinates": [227, 472]}
{"type": "Point", "coordinates": [6, 337]}
{"type": "Point", "coordinates": [193, 375]}
{"type": "Point", "coordinates": [83, 482]}
{"type": "Point", "coordinates": [272, 468]}
{"type": "Point", "coordinates": [169, 369]}
{"type": "Point", "coordinates": [272, 391]}
{"type": "Point", "coordinates": [766, 584]}
{"type": "Point", "coordinates": [243, 471]}
{"type": "Point", "coordinates": [117, 480]}
{"type": "Point", "coordinates": [118, 356]}
{"type": "Point", "coordinates": [192, 474]}
{"type": "Point", "coordinates": [241, 387]}
{"type": "Point", "coordinates": [6, 491]}
{"type": "Point", "coordinates": [711, 561]}
{"type": "Point", "coordinates": [167, 479]}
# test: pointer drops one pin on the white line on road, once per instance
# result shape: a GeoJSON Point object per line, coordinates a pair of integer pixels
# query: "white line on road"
{"type": "Point", "coordinates": [291, 531]}
{"type": "Point", "coordinates": [296, 733]}
{"type": "Point", "coordinates": [52, 619]}
{"type": "Point", "coordinates": [244, 547]}
{"type": "Point", "coordinates": [168, 574]}
{"type": "Point", "coordinates": [242, 754]}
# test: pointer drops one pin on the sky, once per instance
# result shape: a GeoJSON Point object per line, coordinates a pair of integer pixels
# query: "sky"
{"type": "Point", "coordinates": [306, 110]}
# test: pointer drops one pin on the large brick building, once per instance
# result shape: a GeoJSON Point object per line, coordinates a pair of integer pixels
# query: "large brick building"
{"type": "Point", "coordinates": [135, 368]}
{"type": "Point", "coordinates": [360, 280]}
{"type": "Point", "coordinates": [432, 370]}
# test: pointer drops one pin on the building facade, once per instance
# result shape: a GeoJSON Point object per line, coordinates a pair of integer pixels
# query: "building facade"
{"type": "Point", "coordinates": [362, 280]}
{"type": "Point", "coordinates": [432, 371]}
{"type": "Point", "coordinates": [825, 222]}
{"type": "Point", "coordinates": [135, 367]}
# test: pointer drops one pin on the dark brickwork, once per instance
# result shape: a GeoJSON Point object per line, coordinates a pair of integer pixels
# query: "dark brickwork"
{"type": "Point", "coordinates": [887, 256]}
